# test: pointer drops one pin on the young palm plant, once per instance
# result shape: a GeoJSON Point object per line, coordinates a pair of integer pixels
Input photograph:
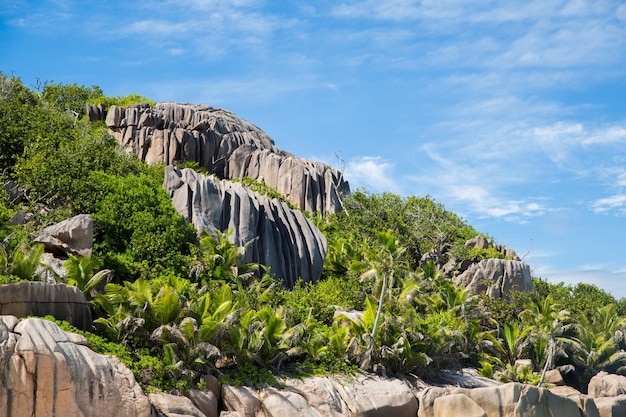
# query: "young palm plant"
{"type": "Point", "coordinates": [79, 272]}
{"type": "Point", "coordinates": [551, 328]}
{"type": "Point", "coordinates": [599, 339]}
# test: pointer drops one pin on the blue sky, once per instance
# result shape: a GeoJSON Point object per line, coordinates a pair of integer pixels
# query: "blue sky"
{"type": "Point", "coordinates": [511, 114]}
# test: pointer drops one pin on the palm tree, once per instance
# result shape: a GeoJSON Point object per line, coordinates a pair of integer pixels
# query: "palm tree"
{"type": "Point", "coordinates": [79, 272]}
{"type": "Point", "coordinates": [599, 339]}
{"type": "Point", "coordinates": [23, 261]}
{"type": "Point", "coordinates": [386, 264]}
{"type": "Point", "coordinates": [551, 327]}
{"type": "Point", "coordinates": [221, 260]}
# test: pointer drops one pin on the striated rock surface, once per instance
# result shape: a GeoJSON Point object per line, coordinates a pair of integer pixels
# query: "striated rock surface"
{"type": "Point", "coordinates": [34, 298]}
{"type": "Point", "coordinates": [73, 236]}
{"type": "Point", "coordinates": [224, 145]}
{"type": "Point", "coordinates": [273, 234]}
{"type": "Point", "coordinates": [509, 400]}
{"type": "Point", "coordinates": [48, 372]}
{"type": "Point", "coordinates": [496, 277]}
{"type": "Point", "coordinates": [174, 406]}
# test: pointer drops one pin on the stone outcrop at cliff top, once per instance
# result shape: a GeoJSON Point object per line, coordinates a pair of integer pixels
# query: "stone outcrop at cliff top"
{"type": "Point", "coordinates": [274, 234]}
{"type": "Point", "coordinates": [225, 145]}
{"type": "Point", "coordinates": [496, 277]}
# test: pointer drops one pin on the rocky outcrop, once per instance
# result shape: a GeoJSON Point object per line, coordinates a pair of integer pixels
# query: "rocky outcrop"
{"type": "Point", "coordinates": [508, 400]}
{"type": "Point", "coordinates": [365, 396]}
{"type": "Point", "coordinates": [34, 298]}
{"type": "Point", "coordinates": [224, 145]}
{"type": "Point", "coordinates": [496, 277]}
{"type": "Point", "coordinates": [607, 385]}
{"type": "Point", "coordinates": [45, 371]}
{"type": "Point", "coordinates": [74, 236]}
{"type": "Point", "coordinates": [271, 232]}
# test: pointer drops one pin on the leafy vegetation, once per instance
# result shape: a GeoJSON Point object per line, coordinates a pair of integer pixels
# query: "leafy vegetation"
{"type": "Point", "coordinates": [176, 306]}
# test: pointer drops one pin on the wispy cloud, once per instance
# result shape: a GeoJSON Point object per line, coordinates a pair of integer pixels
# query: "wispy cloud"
{"type": "Point", "coordinates": [372, 173]}
{"type": "Point", "coordinates": [615, 203]}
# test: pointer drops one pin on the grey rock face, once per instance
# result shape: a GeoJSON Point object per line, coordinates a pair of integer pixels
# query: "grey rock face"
{"type": "Point", "coordinates": [274, 234]}
{"type": "Point", "coordinates": [73, 236]}
{"type": "Point", "coordinates": [495, 277]}
{"type": "Point", "coordinates": [48, 372]}
{"type": "Point", "coordinates": [224, 145]}
{"type": "Point", "coordinates": [25, 299]}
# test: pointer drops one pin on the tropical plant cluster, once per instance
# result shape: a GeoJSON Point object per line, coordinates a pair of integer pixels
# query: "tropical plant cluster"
{"type": "Point", "coordinates": [174, 306]}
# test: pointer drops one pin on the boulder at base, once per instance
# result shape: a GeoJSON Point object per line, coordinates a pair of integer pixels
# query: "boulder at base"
{"type": "Point", "coordinates": [48, 372]}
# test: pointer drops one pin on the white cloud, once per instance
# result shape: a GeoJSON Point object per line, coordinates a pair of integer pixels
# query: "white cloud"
{"type": "Point", "coordinates": [371, 172]}
{"type": "Point", "coordinates": [604, 205]}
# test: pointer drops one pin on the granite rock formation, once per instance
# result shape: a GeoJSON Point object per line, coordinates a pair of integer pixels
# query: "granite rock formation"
{"type": "Point", "coordinates": [24, 299]}
{"type": "Point", "coordinates": [496, 277]}
{"type": "Point", "coordinates": [224, 145]}
{"type": "Point", "coordinates": [48, 372]}
{"type": "Point", "coordinates": [271, 233]}
{"type": "Point", "coordinates": [508, 400]}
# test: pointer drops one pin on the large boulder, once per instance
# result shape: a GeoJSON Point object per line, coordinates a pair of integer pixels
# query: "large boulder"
{"type": "Point", "coordinates": [364, 396]}
{"type": "Point", "coordinates": [224, 145]}
{"type": "Point", "coordinates": [272, 233]}
{"type": "Point", "coordinates": [373, 397]}
{"type": "Point", "coordinates": [606, 385]}
{"type": "Point", "coordinates": [611, 406]}
{"type": "Point", "coordinates": [73, 236]}
{"type": "Point", "coordinates": [23, 299]}
{"type": "Point", "coordinates": [496, 277]}
{"type": "Point", "coordinates": [45, 371]}
{"type": "Point", "coordinates": [170, 405]}
{"type": "Point", "coordinates": [508, 400]}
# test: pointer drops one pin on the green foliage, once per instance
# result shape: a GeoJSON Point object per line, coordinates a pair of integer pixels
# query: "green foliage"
{"type": "Point", "coordinates": [80, 272]}
{"type": "Point", "coordinates": [478, 254]}
{"type": "Point", "coordinates": [120, 101]}
{"type": "Point", "coordinates": [69, 97]}
{"type": "Point", "coordinates": [21, 260]}
{"type": "Point", "coordinates": [136, 228]}
{"type": "Point", "coordinates": [419, 223]}
{"type": "Point", "coordinates": [322, 299]}
{"type": "Point", "coordinates": [259, 186]}
{"type": "Point", "coordinates": [23, 119]}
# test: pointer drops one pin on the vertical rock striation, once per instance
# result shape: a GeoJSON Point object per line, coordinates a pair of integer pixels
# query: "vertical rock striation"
{"type": "Point", "coordinates": [271, 232]}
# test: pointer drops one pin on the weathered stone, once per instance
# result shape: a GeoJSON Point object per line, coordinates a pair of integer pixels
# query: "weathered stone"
{"type": "Point", "coordinates": [554, 377]}
{"type": "Point", "coordinates": [585, 403]}
{"type": "Point", "coordinates": [496, 277]}
{"type": "Point", "coordinates": [174, 406]}
{"type": "Point", "coordinates": [611, 406]}
{"type": "Point", "coordinates": [508, 400]}
{"type": "Point", "coordinates": [607, 385]}
{"type": "Point", "coordinates": [225, 145]}
{"type": "Point", "coordinates": [205, 401]}
{"type": "Point", "coordinates": [321, 395]}
{"type": "Point", "coordinates": [457, 405]}
{"type": "Point", "coordinates": [73, 236]}
{"type": "Point", "coordinates": [282, 403]}
{"type": "Point", "coordinates": [373, 397]}
{"type": "Point", "coordinates": [478, 242]}
{"type": "Point", "coordinates": [23, 299]}
{"type": "Point", "coordinates": [241, 399]}
{"type": "Point", "coordinates": [48, 372]}
{"type": "Point", "coordinates": [271, 232]}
